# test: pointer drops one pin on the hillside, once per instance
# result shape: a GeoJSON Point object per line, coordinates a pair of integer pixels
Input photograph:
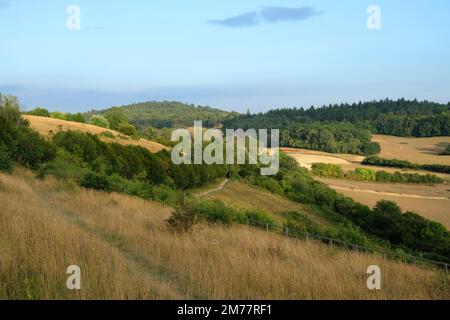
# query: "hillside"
{"type": "Point", "coordinates": [125, 252]}
{"type": "Point", "coordinates": [46, 126]}
{"type": "Point", "coordinates": [169, 114]}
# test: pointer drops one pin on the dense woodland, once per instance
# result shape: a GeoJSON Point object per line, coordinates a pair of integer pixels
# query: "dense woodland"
{"type": "Point", "coordinates": [399, 118]}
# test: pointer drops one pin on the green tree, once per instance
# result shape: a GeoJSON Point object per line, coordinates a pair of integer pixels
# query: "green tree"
{"type": "Point", "coordinates": [40, 112]}
{"type": "Point", "coordinates": [127, 129]}
{"type": "Point", "coordinates": [99, 121]}
{"type": "Point", "coordinates": [116, 117]}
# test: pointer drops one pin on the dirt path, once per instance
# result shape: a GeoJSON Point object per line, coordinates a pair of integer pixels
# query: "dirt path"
{"type": "Point", "coordinates": [136, 262]}
{"type": "Point", "coordinates": [220, 187]}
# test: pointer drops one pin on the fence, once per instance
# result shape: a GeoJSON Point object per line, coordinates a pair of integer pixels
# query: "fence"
{"type": "Point", "coordinates": [308, 236]}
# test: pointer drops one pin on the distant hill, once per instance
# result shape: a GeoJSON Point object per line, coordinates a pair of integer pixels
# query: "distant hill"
{"type": "Point", "coordinates": [170, 114]}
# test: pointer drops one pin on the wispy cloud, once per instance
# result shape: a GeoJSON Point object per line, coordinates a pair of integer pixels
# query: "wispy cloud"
{"type": "Point", "coordinates": [268, 15]}
{"type": "Point", "coordinates": [279, 14]}
{"type": "Point", "coordinates": [243, 20]}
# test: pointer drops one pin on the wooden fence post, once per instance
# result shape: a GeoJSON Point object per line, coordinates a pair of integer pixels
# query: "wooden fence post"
{"type": "Point", "coordinates": [287, 232]}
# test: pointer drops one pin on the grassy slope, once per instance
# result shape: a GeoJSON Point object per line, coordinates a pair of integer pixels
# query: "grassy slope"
{"type": "Point", "coordinates": [124, 251]}
{"type": "Point", "coordinates": [46, 126]}
{"type": "Point", "coordinates": [245, 196]}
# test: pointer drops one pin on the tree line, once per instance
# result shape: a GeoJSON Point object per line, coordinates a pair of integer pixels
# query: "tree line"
{"type": "Point", "coordinates": [391, 117]}
{"type": "Point", "coordinates": [362, 174]}
{"type": "Point", "coordinates": [404, 164]}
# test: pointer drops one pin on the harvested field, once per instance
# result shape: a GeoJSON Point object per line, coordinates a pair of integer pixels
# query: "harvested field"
{"type": "Point", "coordinates": [432, 202]}
{"type": "Point", "coordinates": [416, 150]}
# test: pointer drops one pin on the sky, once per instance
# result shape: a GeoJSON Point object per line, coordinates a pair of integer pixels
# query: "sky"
{"type": "Point", "coordinates": [231, 54]}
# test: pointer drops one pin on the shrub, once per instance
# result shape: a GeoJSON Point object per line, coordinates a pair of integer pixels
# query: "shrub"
{"type": "Point", "coordinates": [370, 148]}
{"type": "Point", "coordinates": [95, 181]}
{"type": "Point", "coordinates": [40, 112]}
{"type": "Point", "coordinates": [446, 152]}
{"type": "Point", "coordinates": [127, 129]}
{"type": "Point", "coordinates": [59, 115]}
{"type": "Point", "coordinates": [6, 160]}
{"type": "Point", "coordinates": [183, 218]}
{"type": "Point", "coordinates": [217, 212]}
{"type": "Point", "coordinates": [99, 121]}
{"type": "Point", "coordinates": [106, 134]}
{"type": "Point", "coordinates": [327, 170]}
{"type": "Point", "coordinates": [260, 219]}
{"type": "Point", "coordinates": [77, 117]}
{"type": "Point", "coordinates": [363, 174]}
{"type": "Point", "coordinates": [33, 150]}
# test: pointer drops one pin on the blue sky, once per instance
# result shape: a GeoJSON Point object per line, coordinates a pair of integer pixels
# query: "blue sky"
{"type": "Point", "coordinates": [232, 54]}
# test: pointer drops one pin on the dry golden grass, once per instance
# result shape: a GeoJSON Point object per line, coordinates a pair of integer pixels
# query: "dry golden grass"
{"type": "Point", "coordinates": [416, 150]}
{"type": "Point", "coordinates": [46, 126]}
{"type": "Point", "coordinates": [125, 252]}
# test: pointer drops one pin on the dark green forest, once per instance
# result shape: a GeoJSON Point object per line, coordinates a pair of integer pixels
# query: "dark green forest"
{"type": "Point", "coordinates": [401, 117]}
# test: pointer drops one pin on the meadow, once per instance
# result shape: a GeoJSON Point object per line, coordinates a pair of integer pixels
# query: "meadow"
{"type": "Point", "coordinates": [125, 251]}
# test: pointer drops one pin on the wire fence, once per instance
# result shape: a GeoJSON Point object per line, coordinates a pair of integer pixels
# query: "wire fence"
{"type": "Point", "coordinates": [308, 236]}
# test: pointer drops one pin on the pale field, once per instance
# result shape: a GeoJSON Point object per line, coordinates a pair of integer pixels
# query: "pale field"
{"type": "Point", "coordinates": [46, 126]}
{"type": "Point", "coordinates": [416, 150]}
{"type": "Point", "coordinates": [430, 201]}
{"type": "Point", "coordinates": [125, 252]}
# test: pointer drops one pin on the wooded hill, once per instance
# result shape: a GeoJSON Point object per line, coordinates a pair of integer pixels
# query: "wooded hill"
{"type": "Point", "coordinates": [169, 114]}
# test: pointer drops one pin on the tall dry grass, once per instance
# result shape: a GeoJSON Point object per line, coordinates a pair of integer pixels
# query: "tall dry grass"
{"type": "Point", "coordinates": [124, 251]}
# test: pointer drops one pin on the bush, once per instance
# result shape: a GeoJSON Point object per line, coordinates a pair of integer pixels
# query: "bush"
{"type": "Point", "coordinates": [127, 129]}
{"type": "Point", "coordinates": [106, 134]}
{"type": "Point", "coordinates": [327, 170]}
{"type": "Point", "coordinates": [95, 181]}
{"type": "Point", "coordinates": [77, 117]}
{"type": "Point", "coordinates": [33, 150]}
{"type": "Point", "coordinates": [370, 148]}
{"type": "Point", "coordinates": [59, 115]}
{"type": "Point", "coordinates": [217, 212]}
{"type": "Point", "coordinates": [6, 160]}
{"type": "Point", "coordinates": [183, 218]}
{"type": "Point", "coordinates": [40, 112]}
{"type": "Point", "coordinates": [362, 174]}
{"type": "Point", "coordinates": [260, 219]}
{"type": "Point", "coordinates": [99, 121]}
{"type": "Point", "coordinates": [446, 152]}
